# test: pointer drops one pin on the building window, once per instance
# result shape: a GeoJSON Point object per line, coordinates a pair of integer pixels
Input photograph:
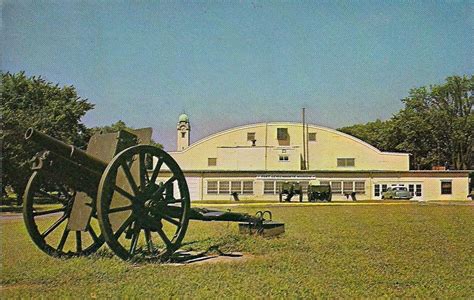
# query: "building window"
{"type": "Point", "coordinates": [312, 137]}
{"type": "Point", "coordinates": [224, 187]}
{"type": "Point", "coordinates": [250, 136]}
{"type": "Point", "coordinates": [359, 187]}
{"type": "Point", "coordinates": [282, 134]}
{"type": "Point", "coordinates": [278, 186]}
{"type": "Point", "coordinates": [247, 187]}
{"type": "Point", "coordinates": [446, 187]}
{"type": "Point", "coordinates": [346, 162]}
{"type": "Point", "coordinates": [348, 186]}
{"type": "Point", "coordinates": [336, 187]}
{"type": "Point", "coordinates": [283, 157]}
{"type": "Point", "coordinates": [212, 187]}
{"type": "Point", "coordinates": [212, 162]}
{"type": "Point", "coordinates": [183, 134]}
{"type": "Point", "coordinates": [269, 187]}
{"type": "Point", "coordinates": [411, 189]}
{"type": "Point", "coordinates": [418, 190]}
{"type": "Point", "coordinates": [384, 188]}
{"type": "Point", "coordinates": [377, 190]}
{"type": "Point", "coordinates": [236, 186]}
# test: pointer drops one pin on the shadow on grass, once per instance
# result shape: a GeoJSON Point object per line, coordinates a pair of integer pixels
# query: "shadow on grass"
{"type": "Point", "coordinates": [13, 209]}
{"type": "Point", "coordinates": [182, 256]}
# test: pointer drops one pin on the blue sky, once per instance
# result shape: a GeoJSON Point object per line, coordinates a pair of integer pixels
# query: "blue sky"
{"type": "Point", "coordinates": [229, 63]}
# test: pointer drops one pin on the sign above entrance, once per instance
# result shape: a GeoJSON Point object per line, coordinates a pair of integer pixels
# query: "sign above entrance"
{"type": "Point", "coordinates": [283, 177]}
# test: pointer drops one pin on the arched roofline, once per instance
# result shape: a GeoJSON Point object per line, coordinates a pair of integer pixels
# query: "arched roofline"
{"type": "Point", "coordinates": [247, 126]}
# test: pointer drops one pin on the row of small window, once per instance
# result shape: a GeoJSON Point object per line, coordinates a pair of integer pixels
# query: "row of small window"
{"type": "Point", "coordinates": [282, 134]}
{"type": "Point", "coordinates": [337, 187]}
{"type": "Point", "coordinates": [414, 189]}
{"type": "Point", "coordinates": [273, 187]}
{"type": "Point", "coordinates": [227, 187]}
{"type": "Point", "coordinates": [344, 187]}
{"type": "Point", "coordinates": [341, 162]}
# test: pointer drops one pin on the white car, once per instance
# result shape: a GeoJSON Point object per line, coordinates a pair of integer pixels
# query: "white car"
{"type": "Point", "coordinates": [398, 192]}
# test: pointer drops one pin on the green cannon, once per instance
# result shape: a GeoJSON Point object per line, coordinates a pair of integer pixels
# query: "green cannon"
{"type": "Point", "coordinates": [289, 189]}
{"type": "Point", "coordinates": [121, 191]}
{"type": "Point", "coordinates": [318, 191]}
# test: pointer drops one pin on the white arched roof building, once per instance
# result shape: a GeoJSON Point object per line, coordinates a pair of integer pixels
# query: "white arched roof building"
{"type": "Point", "coordinates": [254, 159]}
{"type": "Point", "coordinates": [258, 147]}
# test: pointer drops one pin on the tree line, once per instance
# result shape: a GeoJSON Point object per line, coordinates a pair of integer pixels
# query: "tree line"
{"type": "Point", "coordinates": [436, 126]}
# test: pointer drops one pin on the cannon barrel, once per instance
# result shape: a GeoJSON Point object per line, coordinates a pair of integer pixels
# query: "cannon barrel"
{"type": "Point", "coordinates": [66, 151]}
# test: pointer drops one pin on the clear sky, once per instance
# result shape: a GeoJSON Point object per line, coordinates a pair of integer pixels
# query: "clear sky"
{"type": "Point", "coordinates": [228, 63]}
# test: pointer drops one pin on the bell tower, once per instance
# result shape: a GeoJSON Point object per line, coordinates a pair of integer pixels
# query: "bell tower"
{"type": "Point", "coordinates": [184, 128]}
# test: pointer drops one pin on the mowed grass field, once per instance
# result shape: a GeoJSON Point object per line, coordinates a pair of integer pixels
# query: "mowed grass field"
{"type": "Point", "coordinates": [405, 250]}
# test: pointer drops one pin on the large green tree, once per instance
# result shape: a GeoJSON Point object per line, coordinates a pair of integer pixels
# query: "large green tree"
{"type": "Point", "coordinates": [436, 126]}
{"type": "Point", "coordinates": [35, 102]}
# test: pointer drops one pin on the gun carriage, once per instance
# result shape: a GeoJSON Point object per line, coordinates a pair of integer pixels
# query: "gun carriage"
{"type": "Point", "coordinates": [120, 190]}
{"type": "Point", "coordinates": [289, 189]}
{"type": "Point", "coordinates": [319, 192]}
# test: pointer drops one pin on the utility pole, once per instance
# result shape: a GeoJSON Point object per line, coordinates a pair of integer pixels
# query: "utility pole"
{"type": "Point", "coordinates": [307, 147]}
{"type": "Point", "coordinates": [304, 141]}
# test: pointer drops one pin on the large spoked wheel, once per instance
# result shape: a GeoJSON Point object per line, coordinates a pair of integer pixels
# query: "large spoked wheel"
{"type": "Point", "coordinates": [46, 210]}
{"type": "Point", "coordinates": [143, 204]}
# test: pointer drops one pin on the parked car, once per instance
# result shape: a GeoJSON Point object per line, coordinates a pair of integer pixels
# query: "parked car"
{"type": "Point", "coordinates": [399, 192]}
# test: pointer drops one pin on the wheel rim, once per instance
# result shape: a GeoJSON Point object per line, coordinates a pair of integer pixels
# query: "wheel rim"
{"type": "Point", "coordinates": [46, 211]}
{"type": "Point", "coordinates": [143, 212]}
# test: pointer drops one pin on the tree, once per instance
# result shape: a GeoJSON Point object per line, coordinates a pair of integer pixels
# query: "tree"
{"type": "Point", "coordinates": [375, 133]}
{"type": "Point", "coordinates": [436, 126]}
{"type": "Point", "coordinates": [119, 125]}
{"type": "Point", "coordinates": [34, 102]}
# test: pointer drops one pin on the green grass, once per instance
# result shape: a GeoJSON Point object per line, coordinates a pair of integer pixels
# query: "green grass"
{"type": "Point", "coordinates": [327, 251]}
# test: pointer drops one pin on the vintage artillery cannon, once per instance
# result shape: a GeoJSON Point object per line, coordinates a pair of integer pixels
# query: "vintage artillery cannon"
{"type": "Point", "coordinates": [318, 191]}
{"type": "Point", "coordinates": [131, 195]}
{"type": "Point", "coordinates": [290, 189]}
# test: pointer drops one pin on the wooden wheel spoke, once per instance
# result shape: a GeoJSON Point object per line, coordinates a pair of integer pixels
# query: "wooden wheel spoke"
{"type": "Point", "coordinates": [93, 234]}
{"type": "Point", "coordinates": [120, 209]}
{"type": "Point", "coordinates": [168, 218]}
{"type": "Point", "coordinates": [136, 235]}
{"type": "Point", "coordinates": [124, 226]}
{"type": "Point", "coordinates": [78, 241]}
{"type": "Point", "coordinates": [53, 227]}
{"type": "Point", "coordinates": [143, 174]}
{"type": "Point", "coordinates": [149, 242]}
{"type": "Point", "coordinates": [124, 193]}
{"type": "Point", "coordinates": [130, 179]}
{"type": "Point", "coordinates": [156, 170]}
{"type": "Point", "coordinates": [63, 239]}
{"type": "Point", "coordinates": [47, 212]}
{"type": "Point", "coordinates": [163, 236]}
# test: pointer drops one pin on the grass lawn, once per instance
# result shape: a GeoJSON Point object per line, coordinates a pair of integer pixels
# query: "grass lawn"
{"type": "Point", "coordinates": [409, 250]}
